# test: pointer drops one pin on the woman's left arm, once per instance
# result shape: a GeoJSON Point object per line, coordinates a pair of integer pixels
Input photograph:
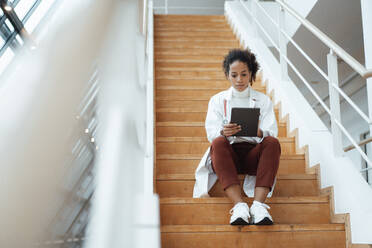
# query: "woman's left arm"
{"type": "Point", "coordinates": [267, 122]}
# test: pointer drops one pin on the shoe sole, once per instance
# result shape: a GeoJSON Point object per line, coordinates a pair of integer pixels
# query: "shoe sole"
{"type": "Point", "coordinates": [265, 222]}
{"type": "Point", "coordinates": [239, 222]}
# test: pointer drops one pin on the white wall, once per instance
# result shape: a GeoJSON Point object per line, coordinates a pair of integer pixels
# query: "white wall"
{"type": "Point", "coordinates": [272, 8]}
{"type": "Point", "coordinates": [356, 126]}
{"type": "Point", "coordinates": [190, 7]}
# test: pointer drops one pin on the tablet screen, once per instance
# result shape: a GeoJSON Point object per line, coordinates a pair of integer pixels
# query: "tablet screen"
{"type": "Point", "coordinates": [247, 118]}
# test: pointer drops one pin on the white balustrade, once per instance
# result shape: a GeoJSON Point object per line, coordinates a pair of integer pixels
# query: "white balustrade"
{"type": "Point", "coordinates": [336, 51]}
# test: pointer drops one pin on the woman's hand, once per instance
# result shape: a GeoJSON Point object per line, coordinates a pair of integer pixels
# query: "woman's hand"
{"type": "Point", "coordinates": [230, 129]}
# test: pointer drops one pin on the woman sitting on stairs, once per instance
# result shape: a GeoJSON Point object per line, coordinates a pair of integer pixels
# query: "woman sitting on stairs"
{"type": "Point", "coordinates": [229, 155]}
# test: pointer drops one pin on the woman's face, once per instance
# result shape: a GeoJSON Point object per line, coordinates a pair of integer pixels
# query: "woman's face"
{"type": "Point", "coordinates": [239, 75]}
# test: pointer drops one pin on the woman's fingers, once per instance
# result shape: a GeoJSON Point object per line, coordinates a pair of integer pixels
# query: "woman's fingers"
{"type": "Point", "coordinates": [231, 129]}
{"type": "Point", "coordinates": [231, 125]}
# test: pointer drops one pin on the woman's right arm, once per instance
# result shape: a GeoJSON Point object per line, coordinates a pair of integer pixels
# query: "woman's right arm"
{"type": "Point", "coordinates": [214, 120]}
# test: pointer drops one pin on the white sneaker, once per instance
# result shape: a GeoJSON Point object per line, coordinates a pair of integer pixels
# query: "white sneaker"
{"type": "Point", "coordinates": [260, 215]}
{"type": "Point", "coordinates": [240, 214]}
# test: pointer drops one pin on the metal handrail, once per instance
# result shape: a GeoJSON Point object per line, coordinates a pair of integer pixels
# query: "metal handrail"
{"type": "Point", "coordinates": [288, 37]}
{"type": "Point", "coordinates": [262, 28]}
{"type": "Point", "coordinates": [334, 48]}
{"type": "Point", "coordinates": [353, 63]}
{"type": "Point", "coordinates": [291, 64]}
{"type": "Point", "coordinates": [363, 142]}
{"type": "Point", "coordinates": [325, 76]}
{"type": "Point", "coordinates": [366, 73]}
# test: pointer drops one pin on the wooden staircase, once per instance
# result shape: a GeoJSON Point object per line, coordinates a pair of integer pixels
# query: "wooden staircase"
{"type": "Point", "coordinates": [188, 69]}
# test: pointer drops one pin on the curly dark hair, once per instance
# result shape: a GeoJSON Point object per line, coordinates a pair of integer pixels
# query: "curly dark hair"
{"type": "Point", "coordinates": [244, 56]}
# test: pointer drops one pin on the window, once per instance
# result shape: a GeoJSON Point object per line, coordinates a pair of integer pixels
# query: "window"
{"type": "Point", "coordinates": [30, 14]}
{"type": "Point", "coordinates": [23, 7]}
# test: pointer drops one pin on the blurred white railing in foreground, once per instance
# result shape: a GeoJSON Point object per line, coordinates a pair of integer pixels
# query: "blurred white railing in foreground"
{"type": "Point", "coordinates": [254, 7]}
{"type": "Point", "coordinates": [126, 211]}
{"type": "Point", "coordinates": [39, 103]}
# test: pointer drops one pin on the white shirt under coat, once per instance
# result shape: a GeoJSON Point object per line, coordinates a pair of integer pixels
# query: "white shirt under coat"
{"type": "Point", "coordinates": [249, 98]}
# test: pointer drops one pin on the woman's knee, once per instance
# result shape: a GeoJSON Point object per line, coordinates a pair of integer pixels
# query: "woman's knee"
{"type": "Point", "coordinates": [219, 141]}
{"type": "Point", "coordinates": [271, 141]}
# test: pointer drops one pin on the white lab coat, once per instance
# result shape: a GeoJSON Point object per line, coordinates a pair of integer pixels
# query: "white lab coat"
{"type": "Point", "coordinates": [204, 175]}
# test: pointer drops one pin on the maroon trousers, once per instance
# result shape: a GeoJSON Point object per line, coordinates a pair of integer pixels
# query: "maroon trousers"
{"type": "Point", "coordinates": [261, 160]}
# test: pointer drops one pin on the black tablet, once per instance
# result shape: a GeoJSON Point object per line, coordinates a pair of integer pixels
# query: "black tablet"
{"type": "Point", "coordinates": [247, 118]}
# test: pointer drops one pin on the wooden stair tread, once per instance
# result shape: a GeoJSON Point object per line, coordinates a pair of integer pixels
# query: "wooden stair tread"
{"type": "Point", "coordinates": [188, 103]}
{"type": "Point", "coordinates": [204, 139]}
{"type": "Point", "coordinates": [188, 58]}
{"type": "Point", "coordinates": [189, 67]}
{"type": "Point", "coordinates": [206, 74]}
{"type": "Point", "coordinates": [190, 23]}
{"type": "Point", "coordinates": [186, 87]}
{"type": "Point", "coordinates": [180, 25]}
{"type": "Point", "coordinates": [169, 17]}
{"type": "Point", "coordinates": [172, 146]}
{"type": "Point", "coordinates": [194, 40]}
{"type": "Point", "coordinates": [199, 156]}
{"type": "Point", "coordinates": [198, 84]}
{"type": "Point", "coordinates": [284, 210]}
{"type": "Point", "coordinates": [190, 94]}
{"type": "Point", "coordinates": [283, 188]}
{"type": "Point", "coordinates": [184, 123]}
{"type": "Point", "coordinates": [191, 28]}
{"type": "Point", "coordinates": [252, 228]}
{"type": "Point", "coordinates": [218, 33]}
{"type": "Point", "coordinates": [189, 64]}
{"type": "Point", "coordinates": [225, 200]}
{"type": "Point", "coordinates": [212, 43]}
{"type": "Point", "coordinates": [188, 166]}
{"type": "Point", "coordinates": [189, 18]}
{"type": "Point", "coordinates": [215, 69]}
{"type": "Point", "coordinates": [188, 52]}
{"type": "Point", "coordinates": [189, 45]}
{"type": "Point", "coordinates": [188, 177]}
{"type": "Point", "coordinates": [191, 51]}
{"type": "Point", "coordinates": [181, 130]}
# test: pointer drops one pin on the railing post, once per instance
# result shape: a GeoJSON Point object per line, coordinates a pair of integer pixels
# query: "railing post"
{"type": "Point", "coordinates": [334, 101]}
{"type": "Point", "coordinates": [366, 9]}
{"type": "Point", "coordinates": [282, 45]}
{"type": "Point", "coordinates": [149, 165]}
{"type": "Point", "coordinates": [366, 6]}
{"type": "Point", "coordinates": [166, 7]}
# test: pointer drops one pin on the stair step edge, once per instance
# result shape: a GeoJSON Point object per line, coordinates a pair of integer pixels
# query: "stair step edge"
{"type": "Point", "coordinates": [203, 139]}
{"type": "Point", "coordinates": [185, 124]}
{"type": "Point", "coordinates": [199, 156]}
{"type": "Point", "coordinates": [252, 228]}
{"type": "Point", "coordinates": [225, 200]}
{"type": "Point", "coordinates": [170, 177]}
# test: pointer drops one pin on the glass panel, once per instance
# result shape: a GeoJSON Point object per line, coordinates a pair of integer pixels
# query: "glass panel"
{"type": "Point", "coordinates": [5, 59]}
{"type": "Point", "coordinates": [23, 7]}
{"type": "Point", "coordinates": [19, 39]}
{"type": "Point", "coordinates": [39, 13]}
{"type": "Point", "coordinates": [9, 24]}
{"type": "Point", "coordinates": [2, 42]}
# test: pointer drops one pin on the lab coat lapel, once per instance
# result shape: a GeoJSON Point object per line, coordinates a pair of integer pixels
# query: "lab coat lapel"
{"type": "Point", "coordinates": [252, 98]}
